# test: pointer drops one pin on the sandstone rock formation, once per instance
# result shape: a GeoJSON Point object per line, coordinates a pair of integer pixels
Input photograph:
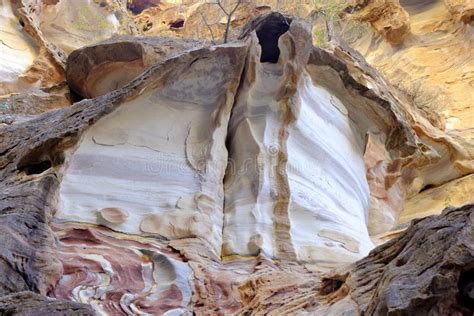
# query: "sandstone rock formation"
{"type": "Point", "coordinates": [387, 17]}
{"type": "Point", "coordinates": [461, 10]}
{"type": "Point", "coordinates": [245, 178]}
{"type": "Point", "coordinates": [26, 63]}
{"type": "Point", "coordinates": [37, 36]}
{"type": "Point", "coordinates": [433, 68]}
{"type": "Point", "coordinates": [95, 70]}
{"type": "Point", "coordinates": [427, 270]}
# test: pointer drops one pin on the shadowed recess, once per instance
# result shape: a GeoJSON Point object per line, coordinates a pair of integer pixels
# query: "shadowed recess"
{"type": "Point", "coordinates": [268, 34]}
{"type": "Point", "coordinates": [137, 6]}
{"type": "Point", "coordinates": [466, 289]}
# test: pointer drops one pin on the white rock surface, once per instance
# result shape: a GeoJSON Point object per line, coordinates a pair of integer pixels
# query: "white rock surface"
{"type": "Point", "coordinates": [315, 159]}
{"type": "Point", "coordinates": [160, 157]}
{"type": "Point", "coordinates": [329, 191]}
{"type": "Point", "coordinates": [295, 184]}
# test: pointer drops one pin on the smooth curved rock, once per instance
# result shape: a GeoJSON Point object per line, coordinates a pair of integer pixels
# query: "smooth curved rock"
{"type": "Point", "coordinates": [113, 215]}
{"type": "Point", "coordinates": [98, 69]}
{"type": "Point", "coordinates": [161, 155]}
{"type": "Point", "coordinates": [281, 126]}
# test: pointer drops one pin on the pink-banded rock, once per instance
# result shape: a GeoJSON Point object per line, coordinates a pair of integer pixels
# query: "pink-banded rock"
{"type": "Point", "coordinates": [117, 274]}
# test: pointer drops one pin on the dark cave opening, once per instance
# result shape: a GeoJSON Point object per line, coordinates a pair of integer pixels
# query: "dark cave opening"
{"type": "Point", "coordinates": [37, 168]}
{"type": "Point", "coordinates": [466, 289]}
{"type": "Point", "coordinates": [43, 157]}
{"type": "Point", "coordinates": [179, 23]}
{"type": "Point", "coordinates": [138, 6]}
{"type": "Point", "coordinates": [268, 34]}
{"type": "Point", "coordinates": [330, 285]}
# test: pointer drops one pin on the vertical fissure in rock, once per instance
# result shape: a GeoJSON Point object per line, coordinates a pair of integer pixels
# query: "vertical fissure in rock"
{"type": "Point", "coordinates": [257, 191]}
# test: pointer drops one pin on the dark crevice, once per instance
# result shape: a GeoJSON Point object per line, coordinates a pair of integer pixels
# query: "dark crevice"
{"type": "Point", "coordinates": [137, 6]}
{"type": "Point", "coordinates": [466, 289]}
{"type": "Point", "coordinates": [400, 262]}
{"type": "Point", "coordinates": [332, 285]}
{"type": "Point", "coordinates": [75, 97]}
{"type": "Point", "coordinates": [37, 168]}
{"type": "Point", "coordinates": [268, 34]}
{"type": "Point", "coordinates": [427, 187]}
{"type": "Point", "coordinates": [44, 156]}
{"type": "Point", "coordinates": [177, 24]}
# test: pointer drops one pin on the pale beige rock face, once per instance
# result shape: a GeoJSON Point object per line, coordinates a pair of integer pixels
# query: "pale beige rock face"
{"type": "Point", "coordinates": [17, 51]}
{"type": "Point", "coordinates": [434, 69]}
{"type": "Point", "coordinates": [462, 10]}
{"type": "Point", "coordinates": [433, 201]}
{"type": "Point", "coordinates": [71, 24]}
{"type": "Point", "coordinates": [387, 17]}
{"type": "Point", "coordinates": [161, 156]}
{"type": "Point", "coordinates": [37, 36]}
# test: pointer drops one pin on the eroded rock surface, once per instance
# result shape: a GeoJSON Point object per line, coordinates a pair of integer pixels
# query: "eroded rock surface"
{"type": "Point", "coordinates": [433, 68]}
{"type": "Point", "coordinates": [168, 144]}
{"type": "Point", "coordinates": [387, 17]}
{"type": "Point", "coordinates": [427, 270]}
{"type": "Point", "coordinates": [229, 179]}
{"type": "Point", "coordinates": [29, 303]}
{"type": "Point", "coordinates": [95, 70]}
{"type": "Point", "coordinates": [282, 131]}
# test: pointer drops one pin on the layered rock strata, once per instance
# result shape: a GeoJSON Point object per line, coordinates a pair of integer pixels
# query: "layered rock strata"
{"type": "Point", "coordinates": [161, 157]}
{"type": "Point", "coordinates": [204, 185]}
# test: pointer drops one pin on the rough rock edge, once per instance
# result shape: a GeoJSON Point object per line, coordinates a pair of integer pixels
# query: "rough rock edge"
{"type": "Point", "coordinates": [32, 304]}
{"type": "Point", "coordinates": [462, 10]}
{"type": "Point", "coordinates": [425, 271]}
{"type": "Point", "coordinates": [49, 66]}
{"type": "Point", "coordinates": [387, 17]}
